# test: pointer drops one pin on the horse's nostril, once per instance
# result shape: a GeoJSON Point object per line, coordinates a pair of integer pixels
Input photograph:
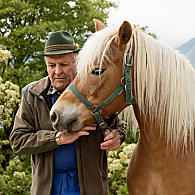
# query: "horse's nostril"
{"type": "Point", "coordinates": [54, 118]}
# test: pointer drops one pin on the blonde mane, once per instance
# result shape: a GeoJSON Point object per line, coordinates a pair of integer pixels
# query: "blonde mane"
{"type": "Point", "coordinates": [164, 82]}
{"type": "Point", "coordinates": [165, 88]}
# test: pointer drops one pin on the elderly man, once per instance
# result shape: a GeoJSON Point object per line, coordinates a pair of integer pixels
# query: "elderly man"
{"type": "Point", "coordinates": [62, 164]}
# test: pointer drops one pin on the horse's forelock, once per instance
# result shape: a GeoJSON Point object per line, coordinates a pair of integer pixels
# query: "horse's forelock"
{"type": "Point", "coordinates": [95, 50]}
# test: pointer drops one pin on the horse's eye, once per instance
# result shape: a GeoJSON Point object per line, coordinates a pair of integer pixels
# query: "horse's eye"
{"type": "Point", "coordinates": [98, 71]}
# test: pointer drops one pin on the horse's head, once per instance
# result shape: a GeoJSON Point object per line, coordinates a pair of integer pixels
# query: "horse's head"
{"type": "Point", "coordinates": [100, 69]}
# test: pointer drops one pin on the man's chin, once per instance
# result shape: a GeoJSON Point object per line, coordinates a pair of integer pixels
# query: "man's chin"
{"type": "Point", "coordinates": [61, 86]}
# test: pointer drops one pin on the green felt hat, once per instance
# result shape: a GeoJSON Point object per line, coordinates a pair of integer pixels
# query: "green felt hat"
{"type": "Point", "coordinates": [60, 42]}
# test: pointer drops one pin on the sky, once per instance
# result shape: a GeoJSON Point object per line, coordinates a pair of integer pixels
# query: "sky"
{"type": "Point", "coordinates": [173, 21]}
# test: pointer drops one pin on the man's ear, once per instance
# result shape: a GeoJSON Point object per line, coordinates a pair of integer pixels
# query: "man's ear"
{"type": "Point", "coordinates": [98, 25]}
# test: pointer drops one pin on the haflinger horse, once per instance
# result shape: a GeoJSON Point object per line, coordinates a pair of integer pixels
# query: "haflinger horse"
{"type": "Point", "coordinates": [159, 82]}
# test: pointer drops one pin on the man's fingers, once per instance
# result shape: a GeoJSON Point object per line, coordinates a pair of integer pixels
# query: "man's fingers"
{"type": "Point", "coordinates": [76, 135]}
{"type": "Point", "coordinates": [88, 128]}
{"type": "Point", "coordinates": [80, 133]}
{"type": "Point", "coordinates": [110, 148]}
{"type": "Point", "coordinates": [110, 143]}
{"type": "Point", "coordinates": [106, 132]}
{"type": "Point", "coordinates": [107, 143]}
{"type": "Point", "coordinates": [71, 137]}
{"type": "Point", "coordinates": [110, 135]}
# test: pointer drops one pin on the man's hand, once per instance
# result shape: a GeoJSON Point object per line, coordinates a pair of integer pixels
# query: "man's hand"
{"type": "Point", "coordinates": [71, 137]}
{"type": "Point", "coordinates": [111, 140]}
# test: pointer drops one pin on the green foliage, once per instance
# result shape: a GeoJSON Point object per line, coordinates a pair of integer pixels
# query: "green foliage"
{"type": "Point", "coordinates": [146, 30]}
{"type": "Point", "coordinates": [130, 137]}
{"type": "Point", "coordinates": [5, 55]}
{"type": "Point", "coordinates": [9, 99]}
{"type": "Point", "coordinates": [117, 167]}
{"type": "Point", "coordinates": [16, 179]}
{"type": "Point", "coordinates": [25, 25]}
{"type": "Point", "coordinates": [15, 174]}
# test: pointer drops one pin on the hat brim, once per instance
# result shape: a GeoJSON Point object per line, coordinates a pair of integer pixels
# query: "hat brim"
{"type": "Point", "coordinates": [50, 53]}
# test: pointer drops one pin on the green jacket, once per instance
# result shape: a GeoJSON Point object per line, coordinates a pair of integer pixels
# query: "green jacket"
{"type": "Point", "coordinates": [33, 134]}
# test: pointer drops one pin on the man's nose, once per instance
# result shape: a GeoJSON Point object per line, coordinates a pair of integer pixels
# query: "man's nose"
{"type": "Point", "coordinates": [58, 70]}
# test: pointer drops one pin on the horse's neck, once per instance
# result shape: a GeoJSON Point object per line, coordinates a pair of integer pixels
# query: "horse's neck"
{"type": "Point", "coordinates": [149, 133]}
{"type": "Point", "coordinates": [154, 140]}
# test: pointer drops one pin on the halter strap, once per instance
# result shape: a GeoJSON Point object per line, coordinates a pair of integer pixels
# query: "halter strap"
{"type": "Point", "coordinates": [96, 109]}
{"type": "Point", "coordinates": [127, 76]}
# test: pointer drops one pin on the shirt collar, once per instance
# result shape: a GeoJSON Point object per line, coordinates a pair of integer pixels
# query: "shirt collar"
{"type": "Point", "coordinates": [52, 90]}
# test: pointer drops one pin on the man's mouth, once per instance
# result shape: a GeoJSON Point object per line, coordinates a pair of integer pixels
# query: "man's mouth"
{"type": "Point", "coordinates": [59, 79]}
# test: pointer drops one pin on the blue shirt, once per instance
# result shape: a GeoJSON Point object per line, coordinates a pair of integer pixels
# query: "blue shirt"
{"type": "Point", "coordinates": [65, 173]}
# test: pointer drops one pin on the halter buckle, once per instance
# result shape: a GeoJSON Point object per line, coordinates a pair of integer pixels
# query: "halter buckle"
{"type": "Point", "coordinates": [122, 80]}
{"type": "Point", "coordinates": [95, 109]}
{"type": "Point", "coordinates": [128, 61]}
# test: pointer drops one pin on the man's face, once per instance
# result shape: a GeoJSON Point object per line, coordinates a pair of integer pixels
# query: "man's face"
{"type": "Point", "coordinates": [61, 70]}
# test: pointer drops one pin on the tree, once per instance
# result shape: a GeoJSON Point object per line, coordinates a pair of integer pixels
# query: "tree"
{"type": "Point", "coordinates": [146, 30]}
{"type": "Point", "coordinates": [25, 25]}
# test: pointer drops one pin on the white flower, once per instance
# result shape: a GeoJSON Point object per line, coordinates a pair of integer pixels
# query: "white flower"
{"type": "Point", "coordinates": [12, 163]}
{"type": "Point", "coordinates": [109, 175]}
{"type": "Point", "coordinates": [4, 55]}
{"type": "Point", "coordinates": [1, 109]}
{"type": "Point", "coordinates": [127, 161]}
{"type": "Point", "coordinates": [117, 165]}
{"type": "Point", "coordinates": [122, 156]}
{"type": "Point", "coordinates": [2, 87]}
{"type": "Point", "coordinates": [109, 160]}
{"type": "Point", "coordinates": [19, 174]}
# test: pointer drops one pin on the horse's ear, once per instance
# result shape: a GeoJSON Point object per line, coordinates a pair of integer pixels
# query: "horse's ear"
{"type": "Point", "coordinates": [98, 25]}
{"type": "Point", "coordinates": [124, 33]}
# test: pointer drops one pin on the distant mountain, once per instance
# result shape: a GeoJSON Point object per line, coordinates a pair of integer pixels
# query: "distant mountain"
{"type": "Point", "coordinates": [188, 49]}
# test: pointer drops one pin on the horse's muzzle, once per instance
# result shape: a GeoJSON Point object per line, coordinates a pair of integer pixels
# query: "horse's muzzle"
{"type": "Point", "coordinates": [64, 120]}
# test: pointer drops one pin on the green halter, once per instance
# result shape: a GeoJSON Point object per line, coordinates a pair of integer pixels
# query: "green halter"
{"type": "Point", "coordinates": [96, 109]}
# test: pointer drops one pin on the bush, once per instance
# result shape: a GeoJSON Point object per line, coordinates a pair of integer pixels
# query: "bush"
{"type": "Point", "coordinates": [15, 171]}
{"type": "Point", "coordinates": [16, 179]}
{"type": "Point", "coordinates": [9, 100]}
{"type": "Point", "coordinates": [117, 167]}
